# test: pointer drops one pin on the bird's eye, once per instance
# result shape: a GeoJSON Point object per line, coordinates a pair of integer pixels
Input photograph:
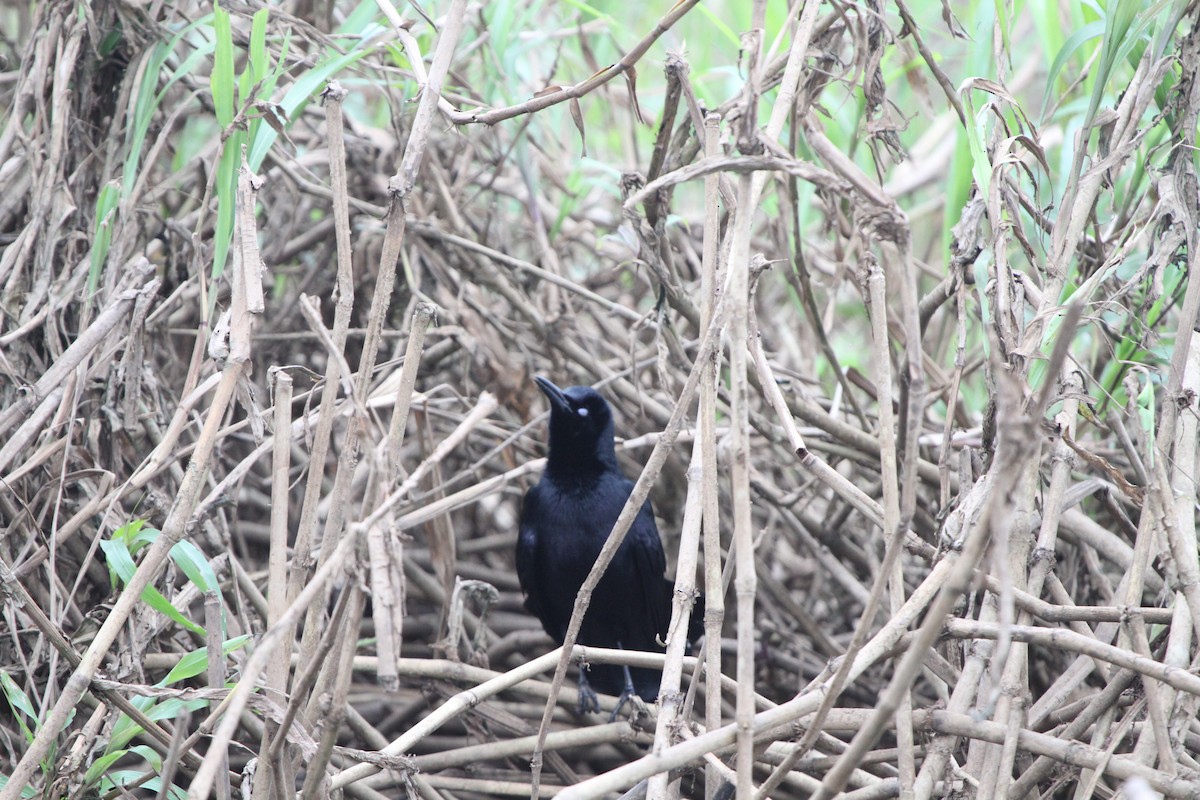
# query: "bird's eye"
{"type": "Point", "coordinates": [582, 412]}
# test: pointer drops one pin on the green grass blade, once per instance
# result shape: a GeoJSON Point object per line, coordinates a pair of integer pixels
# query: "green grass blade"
{"type": "Point", "coordinates": [120, 563]}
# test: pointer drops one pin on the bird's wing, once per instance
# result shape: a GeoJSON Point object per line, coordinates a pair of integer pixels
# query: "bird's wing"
{"type": "Point", "coordinates": [527, 554]}
{"type": "Point", "coordinates": [650, 563]}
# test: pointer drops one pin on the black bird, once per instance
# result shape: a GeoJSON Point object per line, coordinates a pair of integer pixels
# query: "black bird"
{"type": "Point", "coordinates": [565, 521]}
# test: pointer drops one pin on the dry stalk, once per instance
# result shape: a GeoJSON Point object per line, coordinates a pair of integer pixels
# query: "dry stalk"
{"type": "Point", "coordinates": [714, 586]}
{"type": "Point", "coordinates": [738, 279]}
{"type": "Point", "coordinates": [671, 700]}
{"type": "Point", "coordinates": [894, 526]}
{"type": "Point", "coordinates": [275, 682]}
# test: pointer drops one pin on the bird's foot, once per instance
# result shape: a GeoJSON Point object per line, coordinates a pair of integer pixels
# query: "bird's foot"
{"type": "Point", "coordinates": [629, 695]}
{"type": "Point", "coordinates": [636, 703]}
{"type": "Point", "coordinates": [589, 703]}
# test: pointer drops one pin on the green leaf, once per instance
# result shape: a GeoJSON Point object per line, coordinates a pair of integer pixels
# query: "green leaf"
{"type": "Point", "coordinates": [120, 563]}
{"type": "Point", "coordinates": [106, 206]}
{"type": "Point", "coordinates": [186, 556]}
{"type": "Point", "coordinates": [226, 186]}
{"type": "Point", "coordinates": [101, 765]}
{"type": "Point", "coordinates": [149, 98]}
{"type": "Point", "coordinates": [19, 702]}
{"type": "Point", "coordinates": [981, 165]}
{"type": "Point", "coordinates": [127, 777]}
{"type": "Point", "coordinates": [300, 93]}
{"type": "Point", "coordinates": [1073, 43]}
{"type": "Point", "coordinates": [258, 46]}
{"type": "Point", "coordinates": [191, 560]}
{"type": "Point", "coordinates": [128, 533]}
{"type": "Point", "coordinates": [1146, 416]}
{"type": "Point", "coordinates": [125, 729]}
{"type": "Point", "coordinates": [221, 81]}
{"type": "Point", "coordinates": [196, 662]}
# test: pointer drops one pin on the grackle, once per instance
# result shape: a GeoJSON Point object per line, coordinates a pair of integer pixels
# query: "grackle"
{"type": "Point", "coordinates": [565, 520]}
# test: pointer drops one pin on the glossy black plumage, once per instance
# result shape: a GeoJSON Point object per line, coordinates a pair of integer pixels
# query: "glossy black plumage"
{"type": "Point", "coordinates": [565, 521]}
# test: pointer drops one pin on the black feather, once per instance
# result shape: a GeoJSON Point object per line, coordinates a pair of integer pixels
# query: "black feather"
{"type": "Point", "coordinates": [565, 521]}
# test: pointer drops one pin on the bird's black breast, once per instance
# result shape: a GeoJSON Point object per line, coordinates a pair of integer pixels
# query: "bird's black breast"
{"type": "Point", "coordinates": [563, 529]}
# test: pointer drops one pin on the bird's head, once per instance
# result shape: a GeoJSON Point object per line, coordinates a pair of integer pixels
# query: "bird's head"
{"type": "Point", "coordinates": [581, 428]}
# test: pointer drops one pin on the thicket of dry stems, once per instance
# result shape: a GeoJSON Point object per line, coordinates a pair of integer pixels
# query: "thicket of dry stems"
{"type": "Point", "coordinates": [905, 597]}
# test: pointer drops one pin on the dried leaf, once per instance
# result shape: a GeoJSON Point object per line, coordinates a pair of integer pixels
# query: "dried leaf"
{"type": "Point", "coordinates": [631, 85]}
{"type": "Point", "coordinates": [577, 116]}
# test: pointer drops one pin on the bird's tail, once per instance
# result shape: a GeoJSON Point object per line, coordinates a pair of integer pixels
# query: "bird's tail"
{"type": "Point", "coordinates": [696, 623]}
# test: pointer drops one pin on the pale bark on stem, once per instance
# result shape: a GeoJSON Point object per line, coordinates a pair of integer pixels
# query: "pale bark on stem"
{"type": "Point", "coordinates": [310, 309]}
{"type": "Point", "coordinates": [1084, 187]}
{"type": "Point", "coordinates": [1178, 491]}
{"type": "Point", "coordinates": [833, 687]}
{"type": "Point", "coordinates": [308, 674]}
{"type": "Point", "coordinates": [785, 98]}
{"type": "Point", "coordinates": [341, 671]}
{"type": "Point", "coordinates": [303, 561]}
{"type": "Point", "coordinates": [714, 587]}
{"type": "Point", "coordinates": [701, 483]}
{"type": "Point", "coordinates": [1006, 679]}
{"type": "Point", "coordinates": [385, 555]}
{"type": "Point", "coordinates": [759, 165]}
{"type": "Point", "coordinates": [1179, 655]}
{"type": "Point", "coordinates": [484, 406]}
{"type": "Point", "coordinates": [1101, 703]}
{"type": "Point", "coordinates": [33, 425]}
{"type": "Point", "coordinates": [962, 699]}
{"type": "Point", "coordinates": [216, 674]}
{"type": "Point", "coordinates": [423, 316]}
{"type": "Point", "coordinates": [745, 580]}
{"type": "Point", "coordinates": [670, 698]}
{"type": "Point", "coordinates": [837, 683]}
{"type": "Point", "coordinates": [1068, 640]}
{"type": "Point", "coordinates": [1014, 682]}
{"type": "Point", "coordinates": [1153, 741]}
{"type": "Point", "coordinates": [173, 530]}
{"type": "Point", "coordinates": [1064, 686]}
{"type": "Point", "coordinates": [275, 683]}
{"type": "Point", "coordinates": [895, 527]}
{"type": "Point", "coordinates": [470, 755]}
{"type": "Point", "coordinates": [385, 546]}
{"type": "Point", "coordinates": [449, 710]}
{"type": "Point", "coordinates": [1067, 752]}
{"type": "Point", "coordinates": [914, 371]}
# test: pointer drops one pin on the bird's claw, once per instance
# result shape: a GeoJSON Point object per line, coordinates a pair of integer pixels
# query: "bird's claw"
{"type": "Point", "coordinates": [636, 703]}
{"type": "Point", "coordinates": [629, 695]}
{"type": "Point", "coordinates": [589, 703]}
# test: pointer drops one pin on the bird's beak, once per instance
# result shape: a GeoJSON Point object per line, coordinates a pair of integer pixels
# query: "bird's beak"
{"type": "Point", "coordinates": [558, 400]}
